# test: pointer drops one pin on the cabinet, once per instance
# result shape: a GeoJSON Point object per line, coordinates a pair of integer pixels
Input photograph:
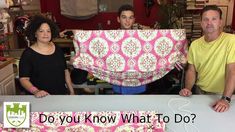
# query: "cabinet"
{"type": "Point", "coordinates": [7, 78]}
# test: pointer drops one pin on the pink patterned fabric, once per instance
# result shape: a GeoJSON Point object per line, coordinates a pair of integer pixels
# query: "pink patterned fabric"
{"type": "Point", "coordinates": [129, 57]}
{"type": "Point", "coordinates": [144, 121]}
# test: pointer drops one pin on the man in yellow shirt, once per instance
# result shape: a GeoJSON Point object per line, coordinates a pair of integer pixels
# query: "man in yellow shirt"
{"type": "Point", "coordinates": [211, 60]}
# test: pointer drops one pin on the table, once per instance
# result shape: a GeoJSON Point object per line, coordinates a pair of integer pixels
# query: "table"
{"type": "Point", "coordinates": [206, 120]}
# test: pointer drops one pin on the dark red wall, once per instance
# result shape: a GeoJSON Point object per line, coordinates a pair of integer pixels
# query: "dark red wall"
{"type": "Point", "coordinates": [233, 24]}
{"type": "Point", "coordinates": [54, 7]}
{"type": "Point", "coordinates": [66, 23]}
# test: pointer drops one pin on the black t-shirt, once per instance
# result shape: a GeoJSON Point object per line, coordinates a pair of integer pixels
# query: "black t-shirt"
{"type": "Point", "coordinates": [46, 72]}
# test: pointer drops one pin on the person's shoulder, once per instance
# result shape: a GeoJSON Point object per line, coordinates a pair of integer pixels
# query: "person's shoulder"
{"type": "Point", "coordinates": [27, 50]}
{"type": "Point", "coordinates": [58, 48]}
{"type": "Point", "coordinates": [197, 41]}
{"type": "Point", "coordinates": [27, 53]}
{"type": "Point", "coordinates": [229, 36]}
{"type": "Point", "coordinates": [229, 39]}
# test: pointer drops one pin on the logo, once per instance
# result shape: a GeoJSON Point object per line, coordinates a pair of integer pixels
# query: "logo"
{"type": "Point", "coordinates": [16, 115]}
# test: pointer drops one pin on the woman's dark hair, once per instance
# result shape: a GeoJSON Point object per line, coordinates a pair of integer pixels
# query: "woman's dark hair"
{"type": "Point", "coordinates": [212, 7]}
{"type": "Point", "coordinates": [35, 23]}
{"type": "Point", "coordinates": [125, 8]}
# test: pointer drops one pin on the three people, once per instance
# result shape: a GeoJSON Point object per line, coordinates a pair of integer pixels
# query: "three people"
{"type": "Point", "coordinates": [211, 60]}
{"type": "Point", "coordinates": [126, 18]}
{"type": "Point", "coordinates": [43, 69]}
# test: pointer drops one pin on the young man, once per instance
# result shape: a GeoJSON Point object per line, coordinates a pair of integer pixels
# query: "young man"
{"type": "Point", "coordinates": [126, 19]}
{"type": "Point", "coordinates": [211, 60]}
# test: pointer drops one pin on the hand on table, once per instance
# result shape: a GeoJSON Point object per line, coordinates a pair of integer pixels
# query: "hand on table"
{"type": "Point", "coordinates": [41, 93]}
{"type": "Point", "coordinates": [185, 92]}
{"type": "Point", "coordinates": [221, 105]}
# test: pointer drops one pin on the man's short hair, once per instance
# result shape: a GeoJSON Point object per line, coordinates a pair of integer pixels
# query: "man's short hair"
{"type": "Point", "coordinates": [125, 8]}
{"type": "Point", "coordinates": [212, 7]}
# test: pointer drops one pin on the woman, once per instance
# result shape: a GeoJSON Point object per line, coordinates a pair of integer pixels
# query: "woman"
{"type": "Point", "coordinates": [42, 67]}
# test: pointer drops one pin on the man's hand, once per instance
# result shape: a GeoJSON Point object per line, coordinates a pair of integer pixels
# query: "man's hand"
{"type": "Point", "coordinates": [185, 92]}
{"type": "Point", "coordinates": [221, 105]}
{"type": "Point", "coordinates": [75, 31]}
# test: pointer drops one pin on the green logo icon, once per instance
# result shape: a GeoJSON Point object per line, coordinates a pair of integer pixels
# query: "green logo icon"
{"type": "Point", "coordinates": [16, 114]}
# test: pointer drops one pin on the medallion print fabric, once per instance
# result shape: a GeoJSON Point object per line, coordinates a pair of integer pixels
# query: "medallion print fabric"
{"type": "Point", "coordinates": [129, 57]}
{"type": "Point", "coordinates": [104, 121]}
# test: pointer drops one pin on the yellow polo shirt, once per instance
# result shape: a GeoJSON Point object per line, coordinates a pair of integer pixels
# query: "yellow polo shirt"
{"type": "Point", "coordinates": [210, 59]}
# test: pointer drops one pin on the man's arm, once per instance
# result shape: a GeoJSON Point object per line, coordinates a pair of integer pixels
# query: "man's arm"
{"type": "Point", "coordinates": [223, 104]}
{"type": "Point", "coordinates": [229, 80]}
{"type": "Point", "coordinates": [190, 79]}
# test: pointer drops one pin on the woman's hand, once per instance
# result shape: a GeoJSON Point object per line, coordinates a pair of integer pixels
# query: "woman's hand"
{"type": "Point", "coordinates": [41, 93]}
